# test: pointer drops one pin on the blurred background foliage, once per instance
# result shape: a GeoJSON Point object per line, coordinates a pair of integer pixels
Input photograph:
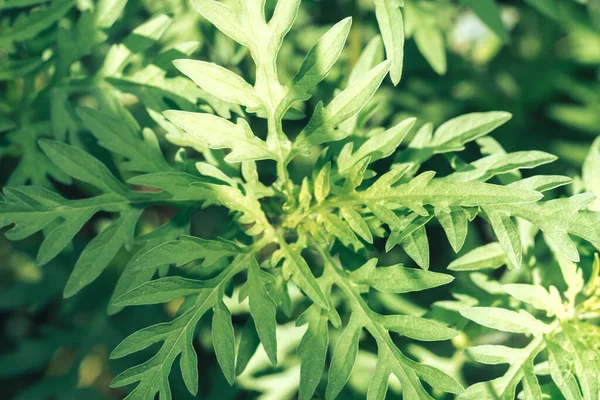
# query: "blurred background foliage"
{"type": "Point", "coordinates": [538, 59]}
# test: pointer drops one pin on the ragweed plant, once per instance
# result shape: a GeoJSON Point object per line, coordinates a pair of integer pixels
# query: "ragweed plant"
{"type": "Point", "coordinates": [304, 248]}
{"type": "Point", "coordinates": [564, 341]}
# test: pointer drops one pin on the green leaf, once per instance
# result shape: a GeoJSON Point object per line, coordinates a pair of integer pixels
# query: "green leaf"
{"type": "Point", "coordinates": [334, 225]}
{"type": "Point", "coordinates": [283, 17]}
{"type": "Point", "coordinates": [455, 223]}
{"type": "Point", "coordinates": [220, 82]}
{"type": "Point", "coordinates": [367, 60]}
{"type": "Point", "coordinates": [33, 24]}
{"type": "Point", "coordinates": [560, 370]}
{"type": "Point", "coordinates": [62, 235]}
{"type": "Point", "coordinates": [531, 386]}
{"type": "Point", "coordinates": [497, 164]}
{"type": "Point", "coordinates": [436, 378]}
{"type": "Point", "coordinates": [163, 290]}
{"type": "Point", "coordinates": [342, 361]}
{"type": "Point", "coordinates": [101, 250]}
{"type": "Point", "coordinates": [220, 133]}
{"type": "Point", "coordinates": [409, 230]}
{"type": "Point", "coordinates": [82, 166]}
{"type": "Point", "coordinates": [357, 223]}
{"type": "Point", "coordinates": [398, 279]}
{"type": "Point", "coordinates": [583, 354]}
{"type": "Point", "coordinates": [313, 351]}
{"type": "Point", "coordinates": [108, 11]}
{"type": "Point", "coordinates": [489, 256]}
{"type": "Point", "coordinates": [416, 245]}
{"type": "Point", "coordinates": [379, 382]}
{"type": "Point", "coordinates": [542, 183]}
{"type": "Point", "coordinates": [488, 12]}
{"type": "Point", "coordinates": [591, 169]}
{"type": "Point", "coordinates": [504, 320]}
{"type": "Point", "coordinates": [454, 133]}
{"type": "Point", "coordinates": [451, 136]}
{"type": "Point", "coordinates": [508, 236]}
{"type": "Point", "coordinates": [130, 279]}
{"type": "Point", "coordinates": [177, 336]}
{"type": "Point", "coordinates": [184, 250]}
{"type": "Point", "coordinates": [221, 16]}
{"type": "Point", "coordinates": [143, 151]}
{"type": "Point", "coordinates": [262, 309]}
{"type": "Point", "coordinates": [320, 128]}
{"type": "Point", "coordinates": [442, 193]}
{"type": "Point", "coordinates": [380, 145]}
{"type": "Point", "coordinates": [302, 274]}
{"type": "Point", "coordinates": [249, 342]}
{"type": "Point", "coordinates": [537, 296]}
{"type": "Point", "coordinates": [430, 43]}
{"type": "Point", "coordinates": [558, 218]}
{"type": "Point", "coordinates": [417, 328]}
{"type": "Point", "coordinates": [318, 61]}
{"type": "Point", "coordinates": [389, 19]}
{"type": "Point", "coordinates": [493, 354]}
{"type": "Point", "coordinates": [223, 338]}
{"type": "Point", "coordinates": [322, 183]}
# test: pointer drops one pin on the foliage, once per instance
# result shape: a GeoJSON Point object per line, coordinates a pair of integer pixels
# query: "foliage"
{"type": "Point", "coordinates": [280, 209]}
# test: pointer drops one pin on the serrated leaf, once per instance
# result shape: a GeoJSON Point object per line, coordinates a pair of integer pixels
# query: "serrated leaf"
{"type": "Point", "coordinates": [504, 320]}
{"type": "Point", "coordinates": [416, 245]}
{"type": "Point", "coordinates": [220, 82]}
{"type": "Point", "coordinates": [101, 250]}
{"type": "Point", "coordinates": [542, 183]}
{"type": "Point", "coordinates": [82, 166]}
{"type": "Point", "coordinates": [398, 279]}
{"type": "Point", "coordinates": [380, 145]}
{"type": "Point", "coordinates": [417, 328]}
{"type": "Point", "coordinates": [302, 275]}
{"type": "Point", "coordinates": [185, 249]}
{"type": "Point", "coordinates": [130, 278]}
{"type": "Point", "coordinates": [220, 133]}
{"type": "Point", "coordinates": [163, 290]}
{"type": "Point", "coordinates": [334, 225]}
{"type": "Point", "coordinates": [143, 152]}
{"type": "Point", "coordinates": [447, 194]}
{"type": "Point", "coordinates": [537, 296]}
